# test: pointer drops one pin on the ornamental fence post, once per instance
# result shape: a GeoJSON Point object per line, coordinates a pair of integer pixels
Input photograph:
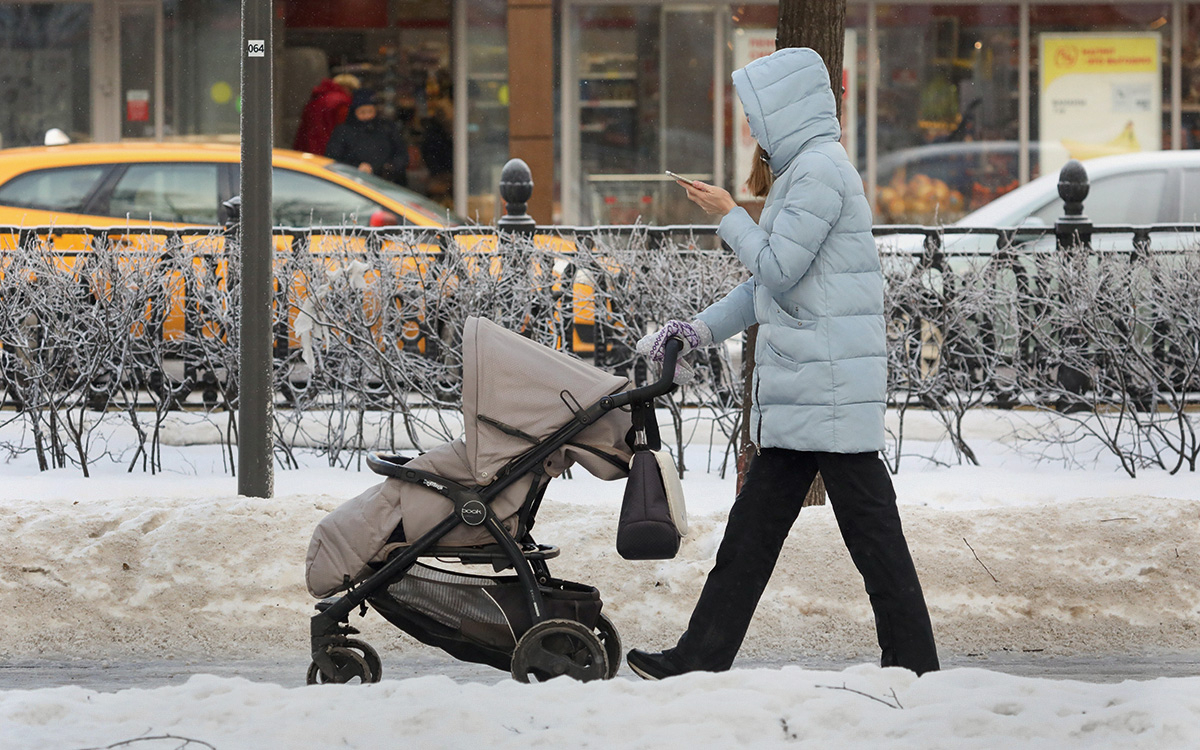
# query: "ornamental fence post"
{"type": "Point", "coordinates": [1073, 228]}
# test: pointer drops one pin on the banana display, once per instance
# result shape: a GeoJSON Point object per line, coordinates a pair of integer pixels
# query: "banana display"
{"type": "Point", "coordinates": [1126, 142]}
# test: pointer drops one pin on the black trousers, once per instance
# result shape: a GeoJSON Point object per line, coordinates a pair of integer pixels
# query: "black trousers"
{"type": "Point", "coordinates": [864, 503]}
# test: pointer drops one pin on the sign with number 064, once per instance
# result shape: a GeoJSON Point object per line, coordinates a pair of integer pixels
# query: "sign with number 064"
{"type": "Point", "coordinates": [256, 48]}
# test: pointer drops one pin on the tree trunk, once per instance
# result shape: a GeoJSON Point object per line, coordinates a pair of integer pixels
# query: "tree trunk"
{"type": "Point", "coordinates": [821, 26]}
{"type": "Point", "coordinates": [745, 438]}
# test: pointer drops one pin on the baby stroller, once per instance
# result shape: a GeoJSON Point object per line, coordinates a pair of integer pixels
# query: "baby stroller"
{"type": "Point", "coordinates": [474, 501]}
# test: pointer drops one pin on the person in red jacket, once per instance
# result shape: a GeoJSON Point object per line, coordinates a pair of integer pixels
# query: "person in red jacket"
{"type": "Point", "coordinates": [327, 108]}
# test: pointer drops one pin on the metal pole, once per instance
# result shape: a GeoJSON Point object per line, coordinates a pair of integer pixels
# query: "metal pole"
{"type": "Point", "coordinates": [1177, 75]}
{"type": "Point", "coordinates": [872, 103]}
{"type": "Point", "coordinates": [462, 111]}
{"type": "Point", "coordinates": [255, 406]}
{"type": "Point", "coordinates": [1023, 134]}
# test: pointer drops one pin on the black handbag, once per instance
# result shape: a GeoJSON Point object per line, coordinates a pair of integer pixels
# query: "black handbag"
{"type": "Point", "coordinates": [647, 528]}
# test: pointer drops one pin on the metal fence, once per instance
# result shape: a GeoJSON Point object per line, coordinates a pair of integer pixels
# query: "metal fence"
{"type": "Point", "coordinates": [142, 322]}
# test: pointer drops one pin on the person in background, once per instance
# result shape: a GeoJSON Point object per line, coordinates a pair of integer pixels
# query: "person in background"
{"type": "Point", "coordinates": [327, 108]}
{"type": "Point", "coordinates": [437, 149]}
{"type": "Point", "coordinates": [816, 293]}
{"type": "Point", "coordinates": [370, 143]}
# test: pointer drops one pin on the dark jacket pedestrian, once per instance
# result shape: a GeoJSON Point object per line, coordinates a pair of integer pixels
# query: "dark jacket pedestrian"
{"type": "Point", "coordinates": [437, 145]}
{"type": "Point", "coordinates": [816, 293]}
{"type": "Point", "coordinates": [437, 151]}
{"type": "Point", "coordinates": [369, 142]}
{"type": "Point", "coordinates": [327, 108]}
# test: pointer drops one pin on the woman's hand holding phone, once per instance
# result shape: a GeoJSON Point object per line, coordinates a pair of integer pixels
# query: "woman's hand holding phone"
{"type": "Point", "coordinates": [712, 199]}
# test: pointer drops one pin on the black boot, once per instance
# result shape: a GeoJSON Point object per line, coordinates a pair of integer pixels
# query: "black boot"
{"type": "Point", "coordinates": [652, 666]}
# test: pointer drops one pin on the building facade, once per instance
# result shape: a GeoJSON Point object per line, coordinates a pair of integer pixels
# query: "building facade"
{"type": "Point", "coordinates": [946, 105]}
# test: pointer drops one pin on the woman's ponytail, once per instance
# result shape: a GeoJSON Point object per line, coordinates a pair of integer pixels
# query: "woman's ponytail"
{"type": "Point", "coordinates": [761, 177]}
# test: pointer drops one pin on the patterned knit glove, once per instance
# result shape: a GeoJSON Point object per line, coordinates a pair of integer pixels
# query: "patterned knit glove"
{"type": "Point", "coordinates": [694, 335]}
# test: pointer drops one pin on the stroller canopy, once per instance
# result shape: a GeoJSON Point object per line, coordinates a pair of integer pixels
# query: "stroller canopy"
{"type": "Point", "coordinates": [532, 390]}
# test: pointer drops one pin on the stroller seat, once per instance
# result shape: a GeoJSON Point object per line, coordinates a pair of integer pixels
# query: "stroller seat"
{"type": "Point", "coordinates": [467, 554]}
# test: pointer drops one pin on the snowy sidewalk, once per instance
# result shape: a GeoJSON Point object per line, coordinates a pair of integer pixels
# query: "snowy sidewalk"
{"type": "Point", "coordinates": [288, 671]}
{"type": "Point", "coordinates": [1047, 587]}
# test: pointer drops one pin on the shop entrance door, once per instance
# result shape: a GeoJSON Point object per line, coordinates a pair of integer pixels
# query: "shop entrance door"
{"type": "Point", "coordinates": [127, 70]}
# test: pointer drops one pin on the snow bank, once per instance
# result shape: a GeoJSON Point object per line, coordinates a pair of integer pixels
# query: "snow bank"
{"type": "Point", "coordinates": [1011, 558]}
{"type": "Point", "coordinates": [861, 707]}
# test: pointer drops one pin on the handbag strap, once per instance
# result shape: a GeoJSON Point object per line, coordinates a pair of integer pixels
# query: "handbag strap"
{"type": "Point", "coordinates": [645, 431]}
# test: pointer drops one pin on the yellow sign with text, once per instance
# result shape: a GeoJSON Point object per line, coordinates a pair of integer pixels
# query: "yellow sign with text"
{"type": "Point", "coordinates": [1101, 95]}
{"type": "Point", "coordinates": [1067, 55]}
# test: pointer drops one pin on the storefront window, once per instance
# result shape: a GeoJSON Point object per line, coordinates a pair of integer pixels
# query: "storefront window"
{"type": "Point", "coordinates": [644, 87]}
{"type": "Point", "coordinates": [45, 59]}
{"type": "Point", "coordinates": [202, 67]}
{"type": "Point", "coordinates": [138, 70]}
{"type": "Point", "coordinates": [649, 90]}
{"type": "Point", "coordinates": [1190, 78]}
{"type": "Point", "coordinates": [400, 52]}
{"type": "Point", "coordinates": [617, 84]}
{"type": "Point", "coordinates": [1102, 82]}
{"type": "Point", "coordinates": [486, 104]}
{"type": "Point", "coordinates": [642, 98]}
{"type": "Point", "coordinates": [949, 98]}
{"type": "Point", "coordinates": [948, 110]}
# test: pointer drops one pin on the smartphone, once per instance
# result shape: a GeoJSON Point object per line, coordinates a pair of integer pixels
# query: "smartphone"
{"type": "Point", "coordinates": [679, 177]}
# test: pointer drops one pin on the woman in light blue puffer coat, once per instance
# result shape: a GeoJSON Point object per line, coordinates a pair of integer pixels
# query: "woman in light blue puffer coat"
{"type": "Point", "coordinates": [816, 292]}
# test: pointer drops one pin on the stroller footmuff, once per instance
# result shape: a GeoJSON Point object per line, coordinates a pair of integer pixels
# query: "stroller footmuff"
{"type": "Point", "coordinates": [474, 500]}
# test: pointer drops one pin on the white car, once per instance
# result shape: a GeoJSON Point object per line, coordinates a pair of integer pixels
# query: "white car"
{"type": "Point", "coordinates": [1151, 187]}
{"type": "Point", "coordinates": [1142, 189]}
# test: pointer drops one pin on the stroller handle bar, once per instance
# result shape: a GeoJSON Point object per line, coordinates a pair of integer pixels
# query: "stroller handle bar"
{"type": "Point", "coordinates": [650, 391]}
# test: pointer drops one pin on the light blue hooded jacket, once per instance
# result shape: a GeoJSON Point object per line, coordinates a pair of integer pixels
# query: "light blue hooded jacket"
{"type": "Point", "coordinates": [817, 288]}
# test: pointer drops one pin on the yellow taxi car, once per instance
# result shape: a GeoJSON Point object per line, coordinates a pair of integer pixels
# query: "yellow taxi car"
{"type": "Point", "coordinates": [180, 184]}
{"type": "Point", "coordinates": [168, 185]}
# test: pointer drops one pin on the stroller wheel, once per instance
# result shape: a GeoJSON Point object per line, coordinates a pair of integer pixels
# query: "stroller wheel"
{"type": "Point", "coordinates": [369, 655]}
{"type": "Point", "coordinates": [349, 666]}
{"type": "Point", "coordinates": [553, 648]}
{"type": "Point", "coordinates": [607, 632]}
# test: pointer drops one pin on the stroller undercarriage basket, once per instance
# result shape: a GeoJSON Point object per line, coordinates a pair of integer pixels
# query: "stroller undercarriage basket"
{"type": "Point", "coordinates": [477, 618]}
